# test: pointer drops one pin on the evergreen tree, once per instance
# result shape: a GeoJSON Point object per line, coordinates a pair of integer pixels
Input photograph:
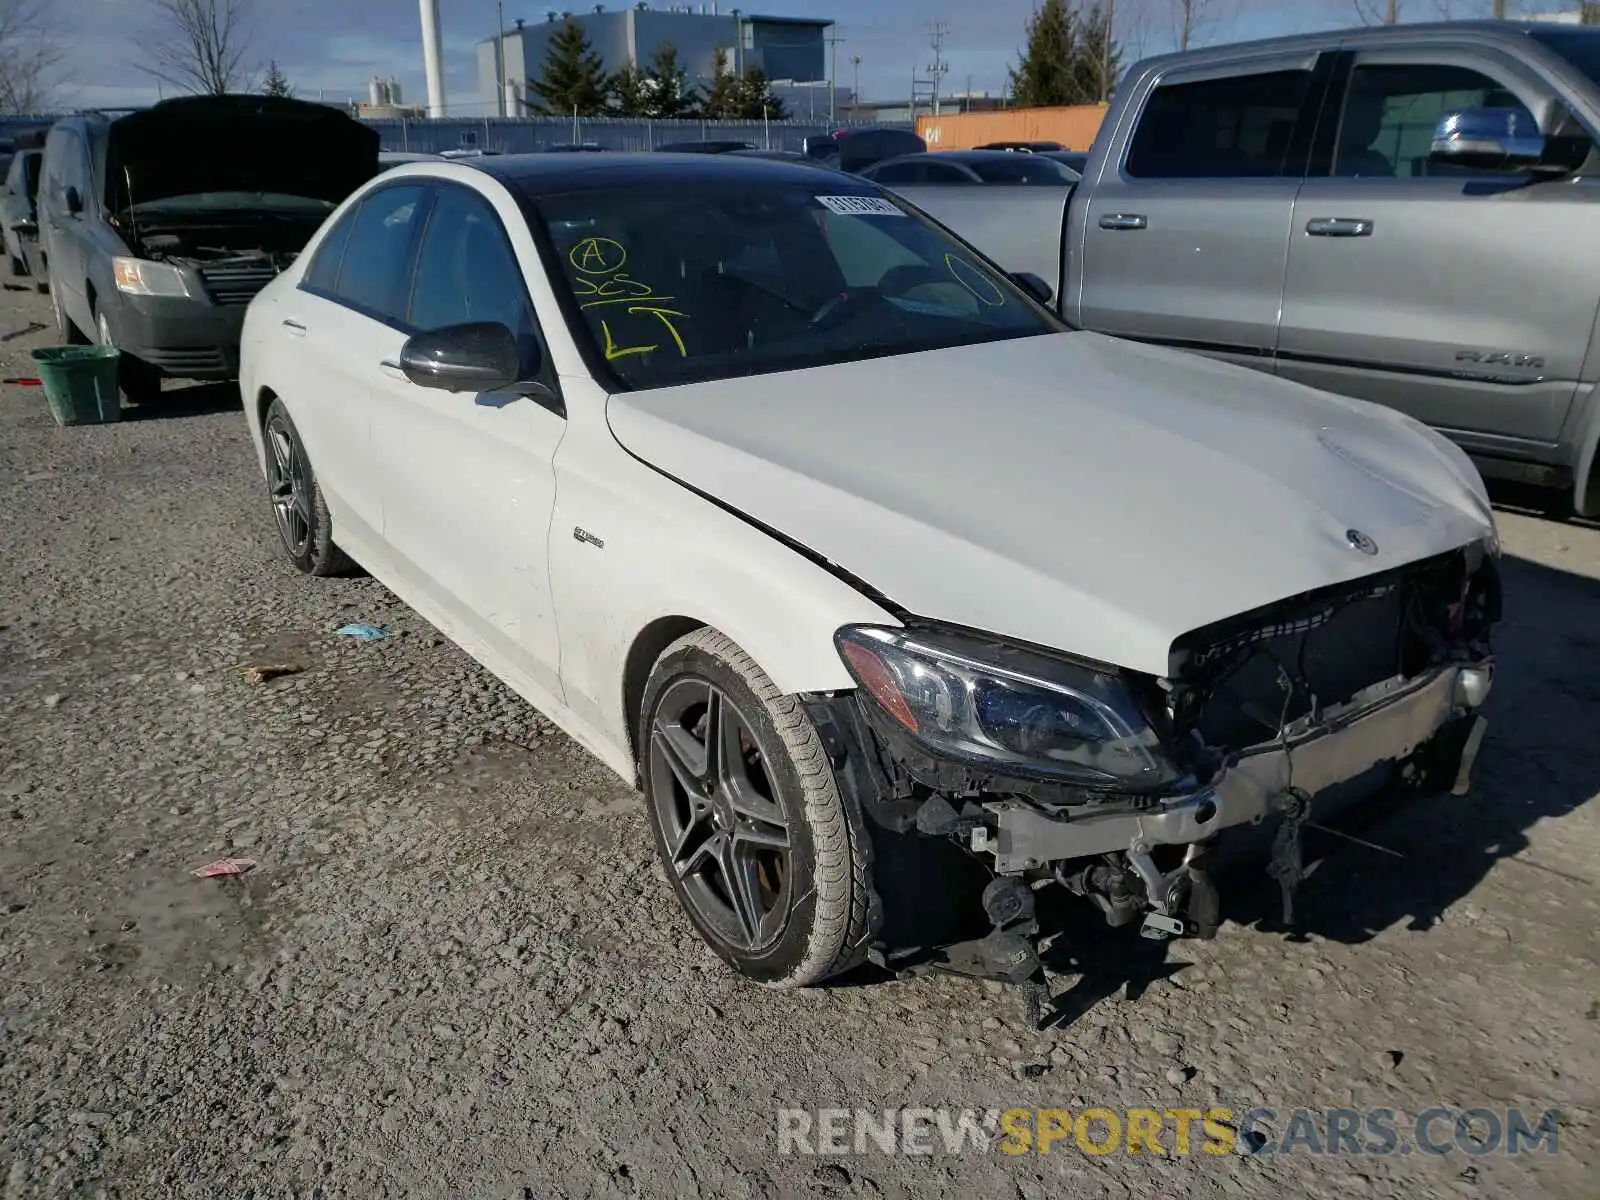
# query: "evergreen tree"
{"type": "Point", "coordinates": [754, 99]}
{"type": "Point", "coordinates": [276, 83]}
{"type": "Point", "coordinates": [721, 102]}
{"type": "Point", "coordinates": [1099, 59]}
{"type": "Point", "coordinates": [671, 96]}
{"type": "Point", "coordinates": [1047, 72]}
{"type": "Point", "coordinates": [573, 79]}
{"type": "Point", "coordinates": [630, 93]}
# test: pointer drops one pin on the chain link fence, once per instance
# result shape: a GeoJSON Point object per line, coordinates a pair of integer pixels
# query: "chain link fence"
{"type": "Point", "coordinates": [523, 135]}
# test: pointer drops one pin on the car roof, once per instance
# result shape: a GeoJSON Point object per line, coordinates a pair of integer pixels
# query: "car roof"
{"type": "Point", "coordinates": [1496, 30]}
{"type": "Point", "coordinates": [547, 174]}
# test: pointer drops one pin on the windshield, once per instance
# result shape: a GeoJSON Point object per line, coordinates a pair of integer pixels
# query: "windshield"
{"type": "Point", "coordinates": [1022, 168]}
{"type": "Point", "coordinates": [1580, 47]}
{"type": "Point", "coordinates": [707, 281]}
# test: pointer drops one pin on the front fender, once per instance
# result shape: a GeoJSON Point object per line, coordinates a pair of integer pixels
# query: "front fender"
{"type": "Point", "coordinates": [630, 547]}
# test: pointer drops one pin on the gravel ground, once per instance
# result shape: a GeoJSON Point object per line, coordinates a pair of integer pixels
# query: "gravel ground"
{"type": "Point", "coordinates": [457, 972]}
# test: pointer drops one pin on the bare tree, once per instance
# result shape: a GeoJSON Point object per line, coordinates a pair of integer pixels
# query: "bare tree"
{"type": "Point", "coordinates": [201, 45]}
{"type": "Point", "coordinates": [1377, 12]}
{"type": "Point", "coordinates": [1192, 20]}
{"type": "Point", "coordinates": [29, 48]}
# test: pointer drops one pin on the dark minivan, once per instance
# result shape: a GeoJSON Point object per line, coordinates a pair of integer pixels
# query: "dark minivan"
{"type": "Point", "coordinates": [158, 227]}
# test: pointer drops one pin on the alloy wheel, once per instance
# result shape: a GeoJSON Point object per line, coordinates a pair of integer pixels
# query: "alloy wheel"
{"type": "Point", "coordinates": [725, 832]}
{"type": "Point", "coordinates": [290, 488]}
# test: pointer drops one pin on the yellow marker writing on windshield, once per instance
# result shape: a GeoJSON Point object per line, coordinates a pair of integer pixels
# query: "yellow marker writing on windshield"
{"type": "Point", "coordinates": [664, 315]}
{"type": "Point", "coordinates": [598, 256]}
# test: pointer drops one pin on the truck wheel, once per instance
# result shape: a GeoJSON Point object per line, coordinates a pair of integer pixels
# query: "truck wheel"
{"type": "Point", "coordinates": [139, 382]}
{"type": "Point", "coordinates": [300, 512]}
{"type": "Point", "coordinates": [767, 858]}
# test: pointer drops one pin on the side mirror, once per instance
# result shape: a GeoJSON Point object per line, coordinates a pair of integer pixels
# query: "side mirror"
{"type": "Point", "coordinates": [1033, 285]}
{"type": "Point", "coordinates": [481, 356]}
{"type": "Point", "coordinates": [1488, 139]}
{"type": "Point", "coordinates": [73, 200]}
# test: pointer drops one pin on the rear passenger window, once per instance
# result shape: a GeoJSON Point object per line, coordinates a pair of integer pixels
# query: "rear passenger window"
{"type": "Point", "coordinates": [323, 273]}
{"type": "Point", "coordinates": [1391, 111]}
{"type": "Point", "coordinates": [1234, 128]}
{"type": "Point", "coordinates": [377, 256]}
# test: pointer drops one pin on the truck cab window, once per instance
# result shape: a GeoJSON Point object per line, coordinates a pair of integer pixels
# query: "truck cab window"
{"type": "Point", "coordinates": [1391, 110]}
{"type": "Point", "coordinates": [1233, 128]}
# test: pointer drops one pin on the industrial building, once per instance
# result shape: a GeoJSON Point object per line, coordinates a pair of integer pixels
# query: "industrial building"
{"type": "Point", "coordinates": [792, 50]}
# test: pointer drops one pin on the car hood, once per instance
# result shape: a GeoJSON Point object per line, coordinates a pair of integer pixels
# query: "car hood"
{"type": "Point", "coordinates": [196, 144]}
{"type": "Point", "coordinates": [1096, 496]}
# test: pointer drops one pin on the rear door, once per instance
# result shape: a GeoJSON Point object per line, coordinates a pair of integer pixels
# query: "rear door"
{"type": "Point", "coordinates": [345, 319]}
{"type": "Point", "coordinates": [1451, 295]}
{"type": "Point", "coordinates": [1186, 237]}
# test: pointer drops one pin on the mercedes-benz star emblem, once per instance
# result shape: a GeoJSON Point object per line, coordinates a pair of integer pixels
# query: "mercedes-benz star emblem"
{"type": "Point", "coordinates": [1360, 541]}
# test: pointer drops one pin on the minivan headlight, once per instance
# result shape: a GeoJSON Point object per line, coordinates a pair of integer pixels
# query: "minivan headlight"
{"type": "Point", "coordinates": [141, 277]}
{"type": "Point", "coordinates": [1004, 708]}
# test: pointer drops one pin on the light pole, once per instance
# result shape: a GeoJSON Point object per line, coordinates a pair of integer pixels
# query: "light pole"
{"type": "Point", "coordinates": [855, 87]}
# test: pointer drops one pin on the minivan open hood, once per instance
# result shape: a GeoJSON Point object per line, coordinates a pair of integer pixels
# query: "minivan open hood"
{"type": "Point", "coordinates": [196, 144]}
{"type": "Point", "coordinates": [1070, 490]}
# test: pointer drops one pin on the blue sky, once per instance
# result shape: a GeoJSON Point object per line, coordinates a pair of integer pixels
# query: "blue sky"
{"type": "Point", "coordinates": [332, 47]}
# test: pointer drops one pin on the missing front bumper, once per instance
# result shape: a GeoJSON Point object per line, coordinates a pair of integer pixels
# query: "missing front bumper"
{"type": "Point", "coordinates": [1386, 723]}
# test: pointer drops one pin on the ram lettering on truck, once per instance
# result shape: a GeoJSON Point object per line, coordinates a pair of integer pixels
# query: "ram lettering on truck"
{"type": "Point", "coordinates": [1386, 213]}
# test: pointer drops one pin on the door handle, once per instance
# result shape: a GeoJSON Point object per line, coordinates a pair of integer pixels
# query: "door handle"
{"type": "Point", "coordinates": [1339, 227]}
{"type": "Point", "coordinates": [295, 328]}
{"type": "Point", "coordinates": [1123, 221]}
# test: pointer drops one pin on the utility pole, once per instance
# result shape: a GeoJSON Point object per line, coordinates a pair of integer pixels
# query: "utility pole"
{"type": "Point", "coordinates": [1499, 10]}
{"type": "Point", "coordinates": [1392, 16]}
{"type": "Point", "coordinates": [833, 69]}
{"type": "Point", "coordinates": [500, 54]}
{"type": "Point", "coordinates": [855, 87]}
{"type": "Point", "coordinates": [937, 32]}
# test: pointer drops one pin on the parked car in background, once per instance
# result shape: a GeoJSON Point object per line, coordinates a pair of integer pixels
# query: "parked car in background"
{"type": "Point", "coordinates": [902, 602]}
{"type": "Point", "coordinates": [394, 158]}
{"type": "Point", "coordinates": [157, 228]}
{"type": "Point", "coordinates": [711, 147]}
{"type": "Point", "coordinates": [1074, 160]}
{"type": "Point", "coordinates": [19, 218]}
{"type": "Point", "coordinates": [1391, 213]}
{"type": "Point", "coordinates": [972, 166]}
{"type": "Point", "coordinates": [1023, 147]}
{"type": "Point", "coordinates": [854, 150]}
{"type": "Point", "coordinates": [796, 156]}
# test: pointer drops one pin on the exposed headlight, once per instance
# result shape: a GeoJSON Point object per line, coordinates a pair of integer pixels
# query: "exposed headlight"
{"type": "Point", "coordinates": [141, 277]}
{"type": "Point", "coordinates": [998, 707]}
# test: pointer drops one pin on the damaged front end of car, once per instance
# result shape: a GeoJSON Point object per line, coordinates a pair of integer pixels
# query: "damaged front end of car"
{"type": "Point", "coordinates": [988, 772]}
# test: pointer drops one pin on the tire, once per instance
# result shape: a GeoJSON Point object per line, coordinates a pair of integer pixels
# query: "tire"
{"type": "Point", "coordinates": [299, 511]}
{"type": "Point", "coordinates": [137, 380]}
{"type": "Point", "coordinates": [802, 915]}
{"type": "Point", "coordinates": [66, 332]}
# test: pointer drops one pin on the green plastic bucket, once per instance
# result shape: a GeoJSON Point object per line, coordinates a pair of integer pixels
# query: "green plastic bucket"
{"type": "Point", "coordinates": [80, 382]}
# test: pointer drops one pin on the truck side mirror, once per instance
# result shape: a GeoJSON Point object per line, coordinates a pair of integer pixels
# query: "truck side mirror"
{"type": "Point", "coordinates": [1488, 139]}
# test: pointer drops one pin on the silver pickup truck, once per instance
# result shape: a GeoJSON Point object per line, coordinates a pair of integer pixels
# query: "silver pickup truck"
{"type": "Point", "coordinates": [1405, 214]}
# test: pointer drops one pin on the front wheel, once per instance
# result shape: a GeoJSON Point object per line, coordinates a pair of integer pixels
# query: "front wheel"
{"type": "Point", "coordinates": [767, 858]}
{"type": "Point", "coordinates": [139, 382]}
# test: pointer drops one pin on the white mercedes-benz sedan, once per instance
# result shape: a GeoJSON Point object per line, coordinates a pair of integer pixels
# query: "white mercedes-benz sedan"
{"type": "Point", "coordinates": [904, 603]}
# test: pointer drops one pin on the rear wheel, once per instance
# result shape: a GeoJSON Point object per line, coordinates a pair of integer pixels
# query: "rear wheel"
{"type": "Point", "coordinates": [766, 857]}
{"type": "Point", "coordinates": [298, 509]}
{"type": "Point", "coordinates": [139, 382]}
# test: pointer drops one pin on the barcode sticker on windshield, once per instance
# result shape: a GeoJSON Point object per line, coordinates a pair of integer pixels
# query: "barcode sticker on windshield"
{"type": "Point", "coordinates": [861, 206]}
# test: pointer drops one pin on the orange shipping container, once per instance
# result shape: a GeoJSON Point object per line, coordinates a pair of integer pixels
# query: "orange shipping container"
{"type": "Point", "coordinates": [1074, 127]}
